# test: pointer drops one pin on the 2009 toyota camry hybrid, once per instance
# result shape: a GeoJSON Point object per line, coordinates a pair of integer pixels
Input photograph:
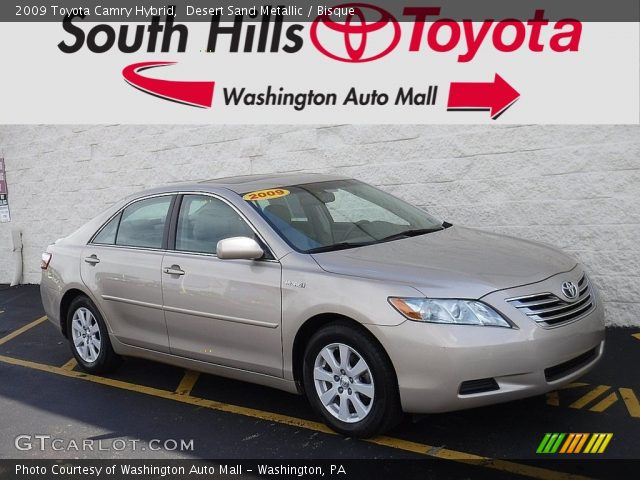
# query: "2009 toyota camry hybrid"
{"type": "Point", "coordinates": [326, 286]}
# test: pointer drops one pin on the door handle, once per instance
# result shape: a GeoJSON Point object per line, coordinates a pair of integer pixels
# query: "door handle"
{"type": "Point", "coordinates": [93, 259]}
{"type": "Point", "coordinates": [174, 270]}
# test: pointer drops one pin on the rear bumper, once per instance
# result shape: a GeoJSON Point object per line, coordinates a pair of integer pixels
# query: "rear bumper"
{"type": "Point", "coordinates": [432, 361]}
{"type": "Point", "coordinates": [51, 302]}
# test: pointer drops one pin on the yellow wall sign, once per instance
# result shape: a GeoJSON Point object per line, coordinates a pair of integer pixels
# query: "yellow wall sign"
{"type": "Point", "coordinates": [266, 194]}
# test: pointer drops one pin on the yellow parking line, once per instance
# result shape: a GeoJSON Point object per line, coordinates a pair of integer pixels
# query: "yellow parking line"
{"type": "Point", "coordinates": [631, 401]}
{"type": "Point", "coordinates": [636, 335]}
{"type": "Point", "coordinates": [472, 459]}
{"type": "Point", "coordinates": [605, 403]}
{"type": "Point", "coordinates": [627, 394]}
{"type": "Point", "coordinates": [22, 329]}
{"type": "Point", "coordinates": [589, 397]}
{"type": "Point", "coordinates": [187, 383]}
{"type": "Point", "coordinates": [70, 365]}
{"type": "Point", "coordinates": [553, 399]}
{"type": "Point", "coordinates": [156, 392]}
{"type": "Point", "coordinates": [397, 443]}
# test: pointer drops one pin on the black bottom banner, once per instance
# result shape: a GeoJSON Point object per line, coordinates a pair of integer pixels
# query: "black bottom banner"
{"type": "Point", "coordinates": [122, 469]}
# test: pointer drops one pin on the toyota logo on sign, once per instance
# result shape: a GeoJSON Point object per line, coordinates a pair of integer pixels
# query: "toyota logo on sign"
{"type": "Point", "coordinates": [356, 40]}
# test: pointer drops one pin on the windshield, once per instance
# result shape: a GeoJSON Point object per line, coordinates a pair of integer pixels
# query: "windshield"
{"type": "Point", "coordinates": [331, 215]}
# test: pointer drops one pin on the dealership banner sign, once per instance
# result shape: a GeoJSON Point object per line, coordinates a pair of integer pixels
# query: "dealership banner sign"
{"type": "Point", "coordinates": [5, 215]}
{"type": "Point", "coordinates": [427, 61]}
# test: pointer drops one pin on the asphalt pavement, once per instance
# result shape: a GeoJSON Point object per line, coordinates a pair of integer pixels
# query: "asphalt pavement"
{"type": "Point", "coordinates": [147, 410]}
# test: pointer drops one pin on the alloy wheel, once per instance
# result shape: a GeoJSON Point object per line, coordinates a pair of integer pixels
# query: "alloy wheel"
{"type": "Point", "coordinates": [344, 382]}
{"type": "Point", "coordinates": [85, 334]}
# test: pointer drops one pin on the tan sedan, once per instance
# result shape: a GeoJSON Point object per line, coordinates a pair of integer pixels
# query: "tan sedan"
{"type": "Point", "coordinates": [326, 286]}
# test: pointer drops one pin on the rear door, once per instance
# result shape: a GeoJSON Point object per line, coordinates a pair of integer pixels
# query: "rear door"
{"type": "Point", "coordinates": [122, 267]}
{"type": "Point", "coordinates": [226, 312]}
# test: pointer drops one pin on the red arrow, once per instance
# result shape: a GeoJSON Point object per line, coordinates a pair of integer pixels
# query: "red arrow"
{"type": "Point", "coordinates": [495, 96]}
{"type": "Point", "coordinates": [196, 94]}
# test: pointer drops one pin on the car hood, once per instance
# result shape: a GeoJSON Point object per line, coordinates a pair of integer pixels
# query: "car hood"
{"type": "Point", "coordinates": [455, 262]}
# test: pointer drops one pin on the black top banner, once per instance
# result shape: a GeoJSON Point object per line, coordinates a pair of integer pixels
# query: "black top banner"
{"type": "Point", "coordinates": [305, 11]}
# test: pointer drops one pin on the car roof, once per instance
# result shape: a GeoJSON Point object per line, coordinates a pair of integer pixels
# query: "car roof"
{"type": "Point", "coordinates": [248, 183]}
{"type": "Point", "coordinates": [245, 183]}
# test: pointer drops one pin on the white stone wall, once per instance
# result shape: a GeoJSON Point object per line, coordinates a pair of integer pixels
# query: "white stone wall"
{"type": "Point", "coordinates": [576, 187]}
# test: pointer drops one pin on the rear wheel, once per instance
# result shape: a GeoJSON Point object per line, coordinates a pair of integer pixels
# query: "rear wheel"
{"type": "Point", "coordinates": [350, 381]}
{"type": "Point", "coordinates": [89, 338]}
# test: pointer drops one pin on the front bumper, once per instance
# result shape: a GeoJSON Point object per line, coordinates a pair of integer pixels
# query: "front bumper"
{"type": "Point", "coordinates": [432, 361]}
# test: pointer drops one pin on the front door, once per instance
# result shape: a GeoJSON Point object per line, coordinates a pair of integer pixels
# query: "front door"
{"type": "Point", "coordinates": [226, 312]}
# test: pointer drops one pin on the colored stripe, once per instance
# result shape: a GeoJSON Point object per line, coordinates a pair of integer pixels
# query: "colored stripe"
{"type": "Point", "coordinates": [550, 443]}
{"type": "Point", "coordinates": [589, 397]}
{"type": "Point", "coordinates": [596, 446]}
{"type": "Point", "coordinates": [567, 442]}
{"type": "Point", "coordinates": [590, 444]}
{"type": "Point", "coordinates": [576, 439]}
{"type": "Point", "coordinates": [581, 443]}
{"type": "Point", "coordinates": [605, 443]}
{"type": "Point", "coordinates": [558, 442]}
{"type": "Point", "coordinates": [397, 443]}
{"type": "Point", "coordinates": [21, 330]}
{"type": "Point", "coordinates": [543, 443]}
{"type": "Point", "coordinates": [631, 401]}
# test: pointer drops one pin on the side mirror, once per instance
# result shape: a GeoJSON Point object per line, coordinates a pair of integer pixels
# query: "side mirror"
{"type": "Point", "coordinates": [239, 248]}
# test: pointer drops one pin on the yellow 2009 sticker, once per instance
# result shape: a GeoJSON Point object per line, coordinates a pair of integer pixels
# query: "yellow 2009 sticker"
{"type": "Point", "coordinates": [266, 194]}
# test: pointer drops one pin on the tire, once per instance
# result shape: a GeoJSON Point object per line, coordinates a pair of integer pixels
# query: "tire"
{"type": "Point", "coordinates": [361, 402]}
{"type": "Point", "coordinates": [89, 339]}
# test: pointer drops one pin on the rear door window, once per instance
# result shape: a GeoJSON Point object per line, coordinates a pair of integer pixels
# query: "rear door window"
{"type": "Point", "coordinates": [143, 223]}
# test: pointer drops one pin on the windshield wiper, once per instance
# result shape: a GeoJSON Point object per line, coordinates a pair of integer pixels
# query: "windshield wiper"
{"type": "Point", "coordinates": [404, 234]}
{"type": "Point", "coordinates": [337, 246]}
{"type": "Point", "coordinates": [411, 233]}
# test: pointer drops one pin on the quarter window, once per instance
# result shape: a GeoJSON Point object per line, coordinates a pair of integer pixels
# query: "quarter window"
{"type": "Point", "coordinates": [143, 223]}
{"type": "Point", "coordinates": [203, 221]}
{"type": "Point", "coordinates": [107, 236]}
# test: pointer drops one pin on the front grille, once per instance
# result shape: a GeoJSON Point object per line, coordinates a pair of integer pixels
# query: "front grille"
{"type": "Point", "coordinates": [563, 369]}
{"type": "Point", "coordinates": [481, 385]}
{"type": "Point", "coordinates": [549, 310]}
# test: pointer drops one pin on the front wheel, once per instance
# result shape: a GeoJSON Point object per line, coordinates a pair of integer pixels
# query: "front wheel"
{"type": "Point", "coordinates": [350, 381]}
{"type": "Point", "coordinates": [89, 338]}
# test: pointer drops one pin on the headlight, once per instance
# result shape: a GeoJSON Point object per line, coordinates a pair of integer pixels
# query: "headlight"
{"type": "Point", "coordinates": [460, 312]}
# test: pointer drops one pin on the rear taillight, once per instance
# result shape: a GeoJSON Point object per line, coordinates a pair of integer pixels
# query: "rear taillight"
{"type": "Point", "coordinates": [46, 259]}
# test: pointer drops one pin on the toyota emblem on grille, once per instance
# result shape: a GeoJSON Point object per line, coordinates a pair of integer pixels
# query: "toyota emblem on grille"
{"type": "Point", "coordinates": [570, 290]}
